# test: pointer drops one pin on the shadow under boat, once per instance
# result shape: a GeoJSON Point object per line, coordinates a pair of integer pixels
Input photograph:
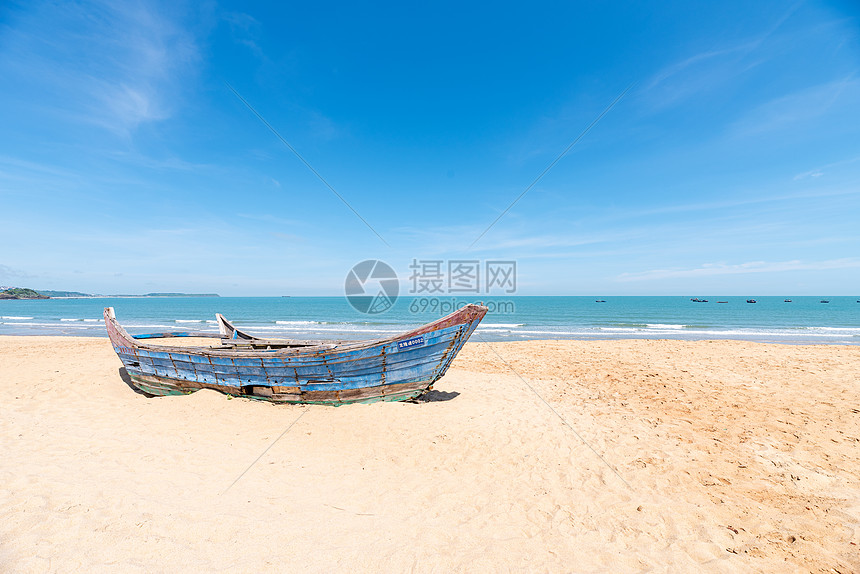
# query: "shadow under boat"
{"type": "Point", "coordinates": [123, 374]}
{"type": "Point", "coordinates": [436, 397]}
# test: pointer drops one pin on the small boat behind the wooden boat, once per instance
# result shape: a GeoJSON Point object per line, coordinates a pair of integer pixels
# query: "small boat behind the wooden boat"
{"type": "Point", "coordinates": [395, 368]}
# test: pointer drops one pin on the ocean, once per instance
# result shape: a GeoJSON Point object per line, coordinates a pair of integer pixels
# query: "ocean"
{"type": "Point", "coordinates": [770, 319]}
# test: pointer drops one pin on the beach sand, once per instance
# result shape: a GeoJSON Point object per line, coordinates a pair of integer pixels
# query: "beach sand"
{"type": "Point", "coordinates": [558, 456]}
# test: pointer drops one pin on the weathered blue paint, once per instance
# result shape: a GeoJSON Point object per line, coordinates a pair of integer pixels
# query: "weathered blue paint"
{"type": "Point", "coordinates": [396, 368]}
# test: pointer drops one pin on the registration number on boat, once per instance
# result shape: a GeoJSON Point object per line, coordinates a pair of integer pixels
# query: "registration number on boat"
{"type": "Point", "coordinates": [413, 342]}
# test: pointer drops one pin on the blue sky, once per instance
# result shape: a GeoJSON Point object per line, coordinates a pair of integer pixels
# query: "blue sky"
{"type": "Point", "coordinates": [731, 166]}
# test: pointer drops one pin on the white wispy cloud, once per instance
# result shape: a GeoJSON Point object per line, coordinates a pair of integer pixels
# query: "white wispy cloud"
{"type": "Point", "coordinates": [711, 269]}
{"type": "Point", "coordinates": [700, 59]}
{"type": "Point", "coordinates": [742, 197]}
{"type": "Point", "coordinates": [706, 69]}
{"type": "Point", "coordinates": [322, 127]}
{"type": "Point", "coordinates": [270, 219]}
{"type": "Point", "coordinates": [795, 109]}
{"type": "Point", "coordinates": [116, 65]}
{"type": "Point", "coordinates": [245, 30]}
{"type": "Point", "coordinates": [819, 171]}
{"type": "Point", "coordinates": [19, 167]}
{"type": "Point", "coordinates": [154, 56]}
{"type": "Point", "coordinates": [10, 274]}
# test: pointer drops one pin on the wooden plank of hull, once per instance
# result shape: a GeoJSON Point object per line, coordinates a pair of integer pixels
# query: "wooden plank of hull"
{"type": "Point", "coordinates": [162, 386]}
{"type": "Point", "coordinates": [331, 372]}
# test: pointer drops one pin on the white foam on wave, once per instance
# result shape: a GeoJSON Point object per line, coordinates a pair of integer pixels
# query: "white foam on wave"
{"type": "Point", "coordinates": [688, 333]}
{"type": "Point", "coordinates": [342, 328]}
{"type": "Point", "coordinates": [309, 328]}
{"type": "Point", "coordinates": [742, 333]}
{"type": "Point", "coordinates": [546, 332]}
{"type": "Point", "coordinates": [791, 334]}
{"type": "Point", "coordinates": [54, 325]}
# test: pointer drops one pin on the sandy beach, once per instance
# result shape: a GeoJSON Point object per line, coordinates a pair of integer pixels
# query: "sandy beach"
{"type": "Point", "coordinates": [557, 456]}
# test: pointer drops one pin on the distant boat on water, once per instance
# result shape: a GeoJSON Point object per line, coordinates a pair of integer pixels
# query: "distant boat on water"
{"type": "Point", "coordinates": [787, 301]}
{"type": "Point", "coordinates": [602, 301]}
{"type": "Point", "coordinates": [697, 300]}
{"type": "Point", "coordinates": [825, 301]}
{"type": "Point", "coordinates": [722, 301]}
{"type": "Point", "coordinates": [751, 301]}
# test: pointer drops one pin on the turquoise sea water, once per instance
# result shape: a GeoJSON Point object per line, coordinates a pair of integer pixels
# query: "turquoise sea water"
{"type": "Point", "coordinates": [771, 319]}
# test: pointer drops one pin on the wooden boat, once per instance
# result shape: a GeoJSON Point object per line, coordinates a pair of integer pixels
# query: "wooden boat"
{"type": "Point", "coordinates": [396, 368]}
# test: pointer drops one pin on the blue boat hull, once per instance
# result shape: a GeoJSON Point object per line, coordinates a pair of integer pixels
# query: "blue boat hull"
{"type": "Point", "coordinates": [392, 369]}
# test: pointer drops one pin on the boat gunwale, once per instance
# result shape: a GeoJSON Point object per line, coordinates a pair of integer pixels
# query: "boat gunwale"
{"type": "Point", "coordinates": [466, 315]}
